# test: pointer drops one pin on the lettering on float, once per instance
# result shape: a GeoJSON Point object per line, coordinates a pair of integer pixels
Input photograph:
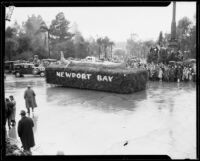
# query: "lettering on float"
{"type": "Point", "coordinates": [84, 76]}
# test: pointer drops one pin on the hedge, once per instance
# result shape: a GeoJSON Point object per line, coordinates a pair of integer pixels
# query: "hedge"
{"type": "Point", "coordinates": [116, 80]}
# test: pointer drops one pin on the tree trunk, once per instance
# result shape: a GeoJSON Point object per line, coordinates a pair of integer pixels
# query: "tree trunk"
{"type": "Point", "coordinates": [99, 52]}
{"type": "Point", "coordinates": [48, 43]}
{"type": "Point", "coordinates": [105, 52]}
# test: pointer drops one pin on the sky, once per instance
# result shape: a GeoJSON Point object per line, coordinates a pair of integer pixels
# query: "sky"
{"type": "Point", "coordinates": [118, 23]}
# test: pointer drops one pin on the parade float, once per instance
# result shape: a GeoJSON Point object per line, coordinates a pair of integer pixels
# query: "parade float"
{"type": "Point", "coordinates": [104, 76]}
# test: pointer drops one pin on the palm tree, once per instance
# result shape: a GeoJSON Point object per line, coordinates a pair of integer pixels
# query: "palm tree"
{"type": "Point", "coordinates": [111, 44]}
{"type": "Point", "coordinates": [105, 43]}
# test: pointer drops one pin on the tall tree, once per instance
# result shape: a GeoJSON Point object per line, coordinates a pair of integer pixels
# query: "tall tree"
{"type": "Point", "coordinates": [93, 47]}
{"type": "Point", "coordinates": [111, 44]}
{"type": "Point", "coordinates": [119, 54]}
{"type": "Point", "coordinates": [81, 46]}
{"type": "Point", "coordinates": [146, 45]}
{"type": "Point", "coordinates": [24, 43]}
{"type": "Point", "coordinates": [133, 46]}
{"type": "Point", "coordinates": [59, 28]}
{"type": "Point", "coordinates": [105, 43]}
{"type": "Point", "coordinates": [166, 39]}
{"type": "Point", "coordinates": [10, 32]}
{"type": "Point", "coordinates": [11, 43]}
{"type": "Point", "coordinates": [192, 39]}
{"type": "Point", "coordinates": [183, 33]}
{"type": "Point", "coordinates": [32, 31]}
{"type": "Point", "coordinates": [160, 39]}
{"type": "Point", "coordinates": [60, 36]}
{"type": "Point", "coordinates": [100, 43]}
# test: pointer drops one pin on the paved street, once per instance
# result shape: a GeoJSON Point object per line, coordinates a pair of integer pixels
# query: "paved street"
{"type": "Point", "coordinates": [159, 120]}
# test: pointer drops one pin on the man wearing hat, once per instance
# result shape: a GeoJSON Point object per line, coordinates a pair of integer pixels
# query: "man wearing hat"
{"type": "Point", "coordinates": [29, 96]}
{"type": "Point", "coordinates": [12, 100]}
{"type": "Point", "coordinates": [25, 132]}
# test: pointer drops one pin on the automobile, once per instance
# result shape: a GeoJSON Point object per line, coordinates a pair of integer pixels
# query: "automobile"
{"type": "Point", "coordinates": [40, 70]}
{"type": "Point", "coordinates": [9, 66]}
{"type": "Point", "coordinates": [90, 58]}
{"type": "Point", "coordinates": [21, 69]}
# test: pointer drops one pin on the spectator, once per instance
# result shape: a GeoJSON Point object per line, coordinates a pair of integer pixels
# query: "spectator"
{"type": "Point", "coordinates": [25, 132]}
{"type": "Point", "coordinates": [178, 73]}
{"type": "Point", "coordinates": [9, 109]}
{"type": "Point", "coordinates": [29, 96]}
{"type": "Point", "coordinates": [13, 112]}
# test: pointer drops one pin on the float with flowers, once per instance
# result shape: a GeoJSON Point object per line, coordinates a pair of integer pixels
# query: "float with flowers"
{"type": "Point", "coordinates": [103, 76]}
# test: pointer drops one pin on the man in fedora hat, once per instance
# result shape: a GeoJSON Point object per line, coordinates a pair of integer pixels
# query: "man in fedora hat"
{"type": "Point", "coordinates": [25, 132]}
{"type": "Point", "coordinates": [12, 100]}
{"type": "Point", "coordinates": [29, 96]}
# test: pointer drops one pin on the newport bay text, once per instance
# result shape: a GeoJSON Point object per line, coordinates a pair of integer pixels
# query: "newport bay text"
{"type": "Point", "coordinates": [84, 76]}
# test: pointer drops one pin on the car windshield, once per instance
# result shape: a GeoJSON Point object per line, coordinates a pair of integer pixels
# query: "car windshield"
{"type": "Point", "coordinates": [23, 65]}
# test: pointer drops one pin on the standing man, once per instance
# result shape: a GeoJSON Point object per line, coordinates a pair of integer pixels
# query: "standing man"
{"type": "Point", "coordinates": [29, 96]}
{"type": "Point", "coordinates": [9, 109]}
{"type": "Point", "coordinates": [36, 60]}
{"type": "Point", "coordinates": [12, 100]}
{"type": "Point", "coordinates": [25, 132]}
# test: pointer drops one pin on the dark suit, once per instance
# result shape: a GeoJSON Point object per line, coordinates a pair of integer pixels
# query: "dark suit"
{"type": "Point", "coordinates": [9, 110]}
{"type": "Point", "coordinates": [25, 132]}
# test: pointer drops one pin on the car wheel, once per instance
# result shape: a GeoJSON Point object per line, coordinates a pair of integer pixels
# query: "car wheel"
{"type": "Point", "coordinates": [35, 71]}
{"type": "Point", "coordinates": [17, 74]}
{"type": "Point", "coordinates": [42, 74]}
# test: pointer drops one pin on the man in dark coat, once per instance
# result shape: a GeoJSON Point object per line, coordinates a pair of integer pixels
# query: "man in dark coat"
{"type": "Point", "coordinates": [9, 109]}
{"type": "Point", "coordinates": [25, 131]}
{"type": "Point", "coordinates": [5, 119]}
{"type": "Point", "coordinates": [179, 74]}
{"type": "Point", "coordinates": [29, 96]}
{"type": "Point", "coordinates": [172, 74]}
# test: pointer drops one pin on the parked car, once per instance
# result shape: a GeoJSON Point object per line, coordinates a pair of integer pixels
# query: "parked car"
{"type": "Point", "coordinates": [9, 66]}
{"type": "Point", "coordinates": [40, 70]}
{"type": "Point", "coordinates": [21, 69]}
{"type": "Point", "coordinates": [90, 59]}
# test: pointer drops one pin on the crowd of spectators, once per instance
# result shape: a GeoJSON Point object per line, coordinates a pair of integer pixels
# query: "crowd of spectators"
{"type": "Point", "coordinates": [169, 72]}
{"type": "Point", "coordinates": [172, 72]}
